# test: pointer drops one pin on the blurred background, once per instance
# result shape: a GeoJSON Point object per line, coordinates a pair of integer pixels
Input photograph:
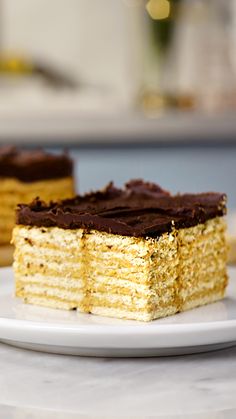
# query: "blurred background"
{"type": "Point", "coordinates": [135, 88]}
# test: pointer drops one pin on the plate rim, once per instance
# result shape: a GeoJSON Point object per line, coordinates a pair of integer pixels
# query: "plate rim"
{"type": "Point", "coordinates": [139, 335]}
{"type": "Point", "coordinates": [143, 327]}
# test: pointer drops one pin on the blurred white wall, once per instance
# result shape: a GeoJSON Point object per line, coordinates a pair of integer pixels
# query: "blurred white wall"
{"type": "Point", "coordinates": [99, 41]}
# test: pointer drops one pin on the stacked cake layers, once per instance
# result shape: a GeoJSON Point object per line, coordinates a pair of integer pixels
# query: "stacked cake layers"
{"type": "Point", "coordinates": [13, 191]}
{"type": "Point", "coordinates": [25, 175]}
{"type": "Point", "coordinates": [202, 263]}
{"type": "Point", "coordinates": [174, 260]}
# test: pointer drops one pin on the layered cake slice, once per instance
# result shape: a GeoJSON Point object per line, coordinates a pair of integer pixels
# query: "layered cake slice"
{"type": "Point", "coordinates": [136, 253]}
{"type": "Point", "coordinates": [25, 175]}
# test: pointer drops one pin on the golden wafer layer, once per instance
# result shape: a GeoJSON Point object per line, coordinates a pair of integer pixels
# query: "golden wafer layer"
{"type": "Point", "coordinates": [13, 192]}
{"type": "Point", "coordinates": [202, 263]}
{"type": "Point", "coordinates": [118, 276]}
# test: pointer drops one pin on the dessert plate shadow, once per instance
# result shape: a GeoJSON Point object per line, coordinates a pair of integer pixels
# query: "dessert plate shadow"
{"type": "Point", "coordinates": [203, 329]}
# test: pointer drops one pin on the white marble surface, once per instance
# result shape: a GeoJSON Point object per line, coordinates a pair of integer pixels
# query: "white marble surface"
{"type": "Point", "coordinates": [35, 385]}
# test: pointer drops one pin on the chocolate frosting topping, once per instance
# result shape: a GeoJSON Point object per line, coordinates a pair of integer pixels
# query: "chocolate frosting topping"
{"type": "Point", "coordinates": [33, 165]}
{"type": "Point", "coordinates": [141, 209]}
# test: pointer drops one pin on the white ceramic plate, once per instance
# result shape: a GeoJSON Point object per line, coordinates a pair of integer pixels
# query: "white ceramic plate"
{"type": "Point", "coordinates": [206, 328]}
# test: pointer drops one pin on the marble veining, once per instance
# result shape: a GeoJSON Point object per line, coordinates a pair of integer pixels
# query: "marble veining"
{"type": "Point", "coordinates": [34, 384]}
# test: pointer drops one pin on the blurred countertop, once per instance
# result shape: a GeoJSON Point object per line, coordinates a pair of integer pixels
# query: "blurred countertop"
{"type": "Point", "coordinates": [60, 126]}
{"type": "Point", "coordinates": [39, 385]}
{"type": "Point", "coordinates": [30, 111]}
